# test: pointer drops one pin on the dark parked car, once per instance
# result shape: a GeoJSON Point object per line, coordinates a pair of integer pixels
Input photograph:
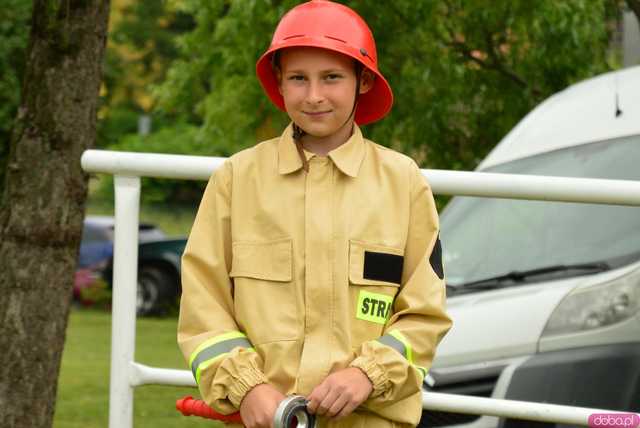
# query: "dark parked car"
{"type": "Point", "coordinates": [97, 239]}
{"type": "Point", "coordinates": [158, 265]}
{"type": "Point", "coordinates": [158, 275]}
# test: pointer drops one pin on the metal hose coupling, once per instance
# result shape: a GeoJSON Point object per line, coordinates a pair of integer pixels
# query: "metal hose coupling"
{"type": "Point", "coordinates": [293, 409]}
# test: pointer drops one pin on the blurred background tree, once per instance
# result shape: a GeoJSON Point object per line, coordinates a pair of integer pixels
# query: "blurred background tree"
{"type": "Point", "coordinates": [180, 75]}
{"type": "Point", "coordinates": [463, 72]}
{"type": "Point", "coordinates": [142, 45]}
{"type": "Point", "coordinates": [14, 35]}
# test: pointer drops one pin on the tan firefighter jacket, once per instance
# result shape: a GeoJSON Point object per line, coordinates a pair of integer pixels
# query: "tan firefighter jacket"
{"type": "Point", "coordinates": [290, 275]}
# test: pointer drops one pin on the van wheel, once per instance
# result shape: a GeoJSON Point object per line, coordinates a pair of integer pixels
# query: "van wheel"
{"type": "Point", "coordinates": [155, 289]}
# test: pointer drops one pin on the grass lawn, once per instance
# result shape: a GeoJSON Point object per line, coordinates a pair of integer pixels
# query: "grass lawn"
{"type": "Point", "coordinates": [83, 388]}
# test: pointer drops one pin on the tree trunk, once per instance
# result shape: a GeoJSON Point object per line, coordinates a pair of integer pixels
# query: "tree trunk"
{"type": "Point", "coordinates": [42, 205]}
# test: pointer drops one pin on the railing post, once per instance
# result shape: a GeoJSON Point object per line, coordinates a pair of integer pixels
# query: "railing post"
{"type": "Point", "coordinates": [123, 318]}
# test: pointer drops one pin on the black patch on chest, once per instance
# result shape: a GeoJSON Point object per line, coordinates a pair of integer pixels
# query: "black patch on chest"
{"type": "Point", "coordinates": [383, 267]}
{"type": "Point", "coordinates": [435, 259]}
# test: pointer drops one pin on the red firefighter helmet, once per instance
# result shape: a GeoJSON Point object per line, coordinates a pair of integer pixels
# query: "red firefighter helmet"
{"type": "Point", "coordinates": [333, 26]}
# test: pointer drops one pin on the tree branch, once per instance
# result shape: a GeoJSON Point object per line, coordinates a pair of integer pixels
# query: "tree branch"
{"type": "Point", "coordinates": [496, 63]}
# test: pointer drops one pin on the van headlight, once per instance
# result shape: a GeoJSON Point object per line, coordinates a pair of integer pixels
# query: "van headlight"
{"type": "Point", "coordinates": [596, 306]}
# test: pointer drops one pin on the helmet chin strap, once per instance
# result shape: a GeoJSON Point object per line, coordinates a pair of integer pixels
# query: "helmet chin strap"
{"type": "Point", "coordinates": [298, 132]}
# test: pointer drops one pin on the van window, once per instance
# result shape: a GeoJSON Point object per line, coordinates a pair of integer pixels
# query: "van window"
{"type": "Point", "coordinates": [486, 237]}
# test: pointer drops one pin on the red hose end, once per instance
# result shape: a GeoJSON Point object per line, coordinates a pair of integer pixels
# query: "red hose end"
{"type": "Point", "coordinates": [190, 407]}
{"type": "Point", "coordinates": [181, 405]}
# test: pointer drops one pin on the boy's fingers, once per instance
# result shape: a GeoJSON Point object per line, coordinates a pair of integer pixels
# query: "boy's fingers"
{"type": "Point", "coordinates": [329, 399]}
{"type": "Point", "coordinates": [316, 397]}
{"type": "Point", "coordinates": [338, 405]}
{"type": "Point", "coordinates": [347, 410]}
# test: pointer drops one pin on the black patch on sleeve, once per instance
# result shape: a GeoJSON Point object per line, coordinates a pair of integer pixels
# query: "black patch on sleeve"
{"type": "Point", "coordinates": [435, 259]}
{"type": "Point", "coordinates": [383, 267]}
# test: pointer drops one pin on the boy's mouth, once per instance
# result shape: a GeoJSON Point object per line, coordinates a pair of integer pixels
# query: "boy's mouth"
{"type": "Point", "coordinates": [316, 113]}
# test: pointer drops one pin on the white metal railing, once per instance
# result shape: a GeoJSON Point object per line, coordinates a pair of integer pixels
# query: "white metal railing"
{"type": "Point", "coordinates": [127, 169]}
{"type": "Point", "coordinates": [461, 183]}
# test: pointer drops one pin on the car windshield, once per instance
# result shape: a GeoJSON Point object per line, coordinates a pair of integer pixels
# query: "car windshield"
{"type": "Point", "coordinates": [486, 237]}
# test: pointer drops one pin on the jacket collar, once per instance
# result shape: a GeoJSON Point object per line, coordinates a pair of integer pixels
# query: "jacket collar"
{"type": "Point", "coordinates": [348, 157]}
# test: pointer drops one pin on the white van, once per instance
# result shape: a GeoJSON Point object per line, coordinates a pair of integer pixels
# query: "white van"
{"type": "Point", "coordinates": [545, 296]}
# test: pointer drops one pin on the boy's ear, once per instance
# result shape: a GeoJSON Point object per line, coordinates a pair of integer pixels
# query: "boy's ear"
{"type": "Point", "coordinates": [366, 81]}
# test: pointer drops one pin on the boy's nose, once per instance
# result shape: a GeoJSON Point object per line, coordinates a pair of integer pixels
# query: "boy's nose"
{"type": "Point", "coordinates": [314, 95]}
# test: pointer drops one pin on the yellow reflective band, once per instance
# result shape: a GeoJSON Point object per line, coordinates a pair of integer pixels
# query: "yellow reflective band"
{"type": "Point", "coordinates": [422, 370]}
{"type": "Point", "coordinates": [203, 365]}
{"type": "Point", "coordinates": [215, 348]}
{"type": "Point", "coordinates": [214, 340]}
{"type": "Point", "coordinates": [405, 342]}
{"type": "Point", "coordinates": [206, 364]}
{"type": "Point", "coordinates": [397, 341]}
{"type": "Point", "coordinates": [374, 307]}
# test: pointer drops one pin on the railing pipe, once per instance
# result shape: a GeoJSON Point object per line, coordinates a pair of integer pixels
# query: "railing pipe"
{"type": "Point", "coordinates": [541, 412]}
{"type": "Point", "coordinates": [181, 167]}
{"type": "Point", "coordinates": [513, 409]}
{"type": "Point", "coordinates": [462, 183]}
{"type": "Point", "coordinates": [146, 375]}
{"type": "Point", "coordinates": [123, 317]}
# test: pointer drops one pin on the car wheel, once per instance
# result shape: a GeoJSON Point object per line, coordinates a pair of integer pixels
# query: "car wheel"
{"type": "Point", "coordinates": [155, 289]}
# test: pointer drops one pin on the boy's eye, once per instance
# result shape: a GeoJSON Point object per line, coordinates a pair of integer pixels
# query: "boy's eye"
{"type": "Point", "coordinates": [296, 77]}
{"type": "Point", "coordinates": [333, 76]}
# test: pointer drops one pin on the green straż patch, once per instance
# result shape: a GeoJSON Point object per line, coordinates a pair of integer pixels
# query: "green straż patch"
{"type": "Point", "coordinates": [374, 307]}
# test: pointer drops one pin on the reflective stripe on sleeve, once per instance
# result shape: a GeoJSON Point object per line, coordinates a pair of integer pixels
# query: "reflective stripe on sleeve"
{"type": "Point", "coordinates": [215, 348]}
{"type": "Point", "coordinates": [394, 343]}
{"type": "Point", "coordinates": [396, 340]}
{"type": "Point", "coordinates": [422, 370]}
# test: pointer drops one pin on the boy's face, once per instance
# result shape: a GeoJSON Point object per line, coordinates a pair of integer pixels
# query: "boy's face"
{"type": "Point", "coordinates": [318, 87]}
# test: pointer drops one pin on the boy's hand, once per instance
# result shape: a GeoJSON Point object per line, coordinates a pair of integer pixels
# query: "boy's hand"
{"type": "Point", "coordinates": [340, 393]}
{"type": "Point", "coordinates": [259, 406]}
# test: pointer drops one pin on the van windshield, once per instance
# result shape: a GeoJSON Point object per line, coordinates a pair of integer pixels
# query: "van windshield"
{"type": "Point", "coordinates": [485, 237]}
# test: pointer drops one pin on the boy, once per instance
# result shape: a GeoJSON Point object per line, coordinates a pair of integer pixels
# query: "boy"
{"type": "Point", "coordinates": [314, 265]}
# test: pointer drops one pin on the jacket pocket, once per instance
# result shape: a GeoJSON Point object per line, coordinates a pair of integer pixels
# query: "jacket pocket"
{"type": "Point", "coordinates": [371, 264]}
{"type": "Point", "coordinates": [264, 293]}
{"type": "Point", "coordinates": [375, 275]}
{"type": "Point", "coordinates": [269, 260]}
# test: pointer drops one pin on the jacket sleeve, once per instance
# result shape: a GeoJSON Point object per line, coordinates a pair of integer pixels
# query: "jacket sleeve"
{"type": "Point", "coordinates": [222, 359]}
{"type": "Point", "coordinates": [397, 362]}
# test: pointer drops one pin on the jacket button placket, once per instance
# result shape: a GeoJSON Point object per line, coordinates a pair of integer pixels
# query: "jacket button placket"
{"type": "Point", "coordinates": [316, 355]}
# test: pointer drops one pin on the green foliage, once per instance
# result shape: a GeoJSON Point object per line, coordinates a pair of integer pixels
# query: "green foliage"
{"type": "Point", "coordinates": [180, 139]}
{"type": "Point", "coordinates": [140, 48]}
{"type": "Point", "coordinates": [14, 35]}
{"type": "Point", "coordinates": [463, 73]}
{"type": "Point", "coordinates": [215, 82]}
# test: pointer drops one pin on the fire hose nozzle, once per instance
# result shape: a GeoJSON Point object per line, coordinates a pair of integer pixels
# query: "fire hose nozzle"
{"type": "Point", "coordinates": [188, 406]}
{"type": "Point", "coordinates": [292, 413]}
